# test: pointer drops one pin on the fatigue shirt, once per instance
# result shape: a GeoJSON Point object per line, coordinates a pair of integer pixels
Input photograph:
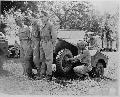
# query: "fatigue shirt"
{"type": "Point", "coordinates": [84, 57]}
{"type": "Point", "coordinates": [35, 33]}
{"type": "Point", "coordinates": [48, 33]}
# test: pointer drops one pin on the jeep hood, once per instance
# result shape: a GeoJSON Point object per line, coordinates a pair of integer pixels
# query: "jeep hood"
{"type": "Point", "coordinates": [92, 52]}
{"type": "Point", "coordinates": [72, 41]}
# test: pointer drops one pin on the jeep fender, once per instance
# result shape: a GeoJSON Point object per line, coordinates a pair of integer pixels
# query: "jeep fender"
{"type": "Point", "coordinates": [62, 44]}
{"type": "Point", "coordinates": [97, 56]}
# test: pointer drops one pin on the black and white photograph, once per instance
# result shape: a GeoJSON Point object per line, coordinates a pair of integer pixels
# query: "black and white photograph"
{"type": "Point", "coordinates": [59, 48]}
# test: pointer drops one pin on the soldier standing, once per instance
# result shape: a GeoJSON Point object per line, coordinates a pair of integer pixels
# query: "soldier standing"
{"type": "Point", "coordinates": [25, 46]}
{"type": "Point", "coordinates": [93, 42]}
{"type": "Point", "coordinates": [36, 44]}
{"type": "Point", "coordinates": [47, 43]}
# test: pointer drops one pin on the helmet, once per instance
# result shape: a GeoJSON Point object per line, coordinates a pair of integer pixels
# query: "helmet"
{"type": "Point", "coordinates": [82, 44]}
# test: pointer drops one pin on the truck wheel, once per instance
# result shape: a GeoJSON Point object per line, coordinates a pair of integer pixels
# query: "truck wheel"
{"type": "Point", "coordinates": [62, 66]}
{"type": "Point", "coordinates": [98, 71]}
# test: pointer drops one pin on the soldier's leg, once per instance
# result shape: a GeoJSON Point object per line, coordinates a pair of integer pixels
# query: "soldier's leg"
{"type": "Point", "coordinates": [49, 61]}
{"type": "Point", "coordinates": [22, 54]}
{"type": "Point", "coordinates": [111, 44]}
{"type": "Point", "coordinates": [1, 61]}
{"type": "Point", "coordinates": [36, 56]}
{"type": "Point", "coordinates": [28, 61]}
{"type": "Point", "coordinates": [107, 43]}
{"type": "Point", "coordinates": [80, 71]}
{"type": "Point", "coordinates": [48, 49]}
{"type": "Point", "coordinates": [43, 65]}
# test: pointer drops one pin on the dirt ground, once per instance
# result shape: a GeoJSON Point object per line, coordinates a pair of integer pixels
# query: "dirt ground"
{"type": "Point", "coordinates": [13, 82]}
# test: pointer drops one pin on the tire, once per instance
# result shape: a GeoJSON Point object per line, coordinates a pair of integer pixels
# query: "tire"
{"type": "Point", "coordinates": [98, 71]}
{"type": "Point", "coordinates": [62, 67]}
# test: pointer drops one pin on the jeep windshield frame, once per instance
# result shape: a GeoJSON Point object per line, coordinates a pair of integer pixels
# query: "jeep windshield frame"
{"type": "Point", "coordinates": [71, 34]}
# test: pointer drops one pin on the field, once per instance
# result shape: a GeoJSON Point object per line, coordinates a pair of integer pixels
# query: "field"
{"type": "Point", "coordinates": [13, 82]}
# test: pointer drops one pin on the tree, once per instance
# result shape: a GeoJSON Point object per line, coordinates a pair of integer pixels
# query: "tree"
{"type": "Point", "coordinates": [71, 14]}
{"type": "Point", "coordinates": [12, 9]}
{"type": "Point", "coordinates": [2, 27]}
{"type": "Point", "coordinates": [24, 6]}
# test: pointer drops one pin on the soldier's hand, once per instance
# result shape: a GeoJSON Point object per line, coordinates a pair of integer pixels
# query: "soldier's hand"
{"type": "Point", "coordinates": [71, 60]}
{"type": "Point", "coordinates": [68, 60]}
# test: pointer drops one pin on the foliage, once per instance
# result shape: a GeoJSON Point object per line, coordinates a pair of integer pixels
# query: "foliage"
{"type": "Point", "coordinates": [2, 27]}
{"type": "Point", "coordinates": [65, 14]}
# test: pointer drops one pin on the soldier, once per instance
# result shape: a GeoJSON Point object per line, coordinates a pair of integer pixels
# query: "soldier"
{"type": "Point", "coordinates": [36, 44]}
{"type": "Point", "coordinates": [47, 43]}
{"type": "Point", "coordinates": [35, 36]}
{"type": "Point", "coordinates": [93, 42]}
{"type": "Point", "coordinates": [109, 39]}
{"type": "Point", "coordinates": [25, 46]}
{"type": "Point", "coordinates": [81, 62]}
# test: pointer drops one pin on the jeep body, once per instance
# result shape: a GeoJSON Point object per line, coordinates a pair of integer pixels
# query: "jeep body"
{"type": "Point", "coordinates": [66, 46]}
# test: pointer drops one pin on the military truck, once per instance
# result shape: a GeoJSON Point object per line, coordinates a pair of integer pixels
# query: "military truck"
{"type": "Point", "coordinates": [66, 47]}
{"type": "Point", "coordinates": [3, 48]}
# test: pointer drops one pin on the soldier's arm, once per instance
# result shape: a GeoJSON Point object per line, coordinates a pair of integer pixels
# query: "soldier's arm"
{"type": "Point", "coordinates": [53, 34]}
{"type": "Point", "coordinates": [81, 56]}
{"type": "Point", "coordinates": [19, 31]}
{"type": "Point", "coordinates": [27, 31]}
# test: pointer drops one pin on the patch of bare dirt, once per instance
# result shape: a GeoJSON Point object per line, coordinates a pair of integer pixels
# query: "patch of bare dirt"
{"type": "Point", "coordinates": [13, 82]}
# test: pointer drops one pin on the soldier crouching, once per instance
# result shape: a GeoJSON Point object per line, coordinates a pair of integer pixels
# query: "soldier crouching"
{"type": "Point", "coordinates": [81, 62]}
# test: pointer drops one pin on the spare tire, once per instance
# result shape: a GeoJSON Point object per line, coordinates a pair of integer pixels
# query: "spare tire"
{"type": "Point", "coordinates": [62, 66]}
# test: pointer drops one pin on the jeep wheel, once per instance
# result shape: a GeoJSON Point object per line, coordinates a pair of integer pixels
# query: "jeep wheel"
{"type": "Point", "coordinates": [62, 66]}
{"type": "Point", "coordinates": [98, 71]}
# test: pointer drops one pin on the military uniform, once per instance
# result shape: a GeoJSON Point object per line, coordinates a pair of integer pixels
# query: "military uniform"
{"type": "Point", "coordinates": [93, 43]}
{"type": "Point", "coordinates": [84, 58]}
{"type": "Point", "coordinates": [47, 43]}
{"type": "Point", "coordinates": [25, 48]}
{"type": "Point", "coordinates": [36, 44]}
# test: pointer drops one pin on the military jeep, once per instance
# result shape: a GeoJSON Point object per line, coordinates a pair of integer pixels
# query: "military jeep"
{"type": "Point", "coordinates": [66, 47]}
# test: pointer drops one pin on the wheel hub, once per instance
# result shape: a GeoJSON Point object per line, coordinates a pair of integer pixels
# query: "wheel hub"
{"type": "Point", "coordinates": [65, 65]}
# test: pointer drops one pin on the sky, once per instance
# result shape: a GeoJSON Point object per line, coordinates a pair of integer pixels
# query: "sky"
{"type": "Point", "coordinates": [105, 5]}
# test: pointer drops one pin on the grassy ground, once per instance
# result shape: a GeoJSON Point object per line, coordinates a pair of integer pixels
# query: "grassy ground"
{"type": "Point", "coordinates": [12, 82]}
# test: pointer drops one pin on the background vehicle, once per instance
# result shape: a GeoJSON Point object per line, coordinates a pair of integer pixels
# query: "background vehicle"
{"type": "Point", "coordinates": [12, 52]}
{"type": "Point", "coordinates": [3, 44]}
{"type": "Point", "coordinates": [3, 48]}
